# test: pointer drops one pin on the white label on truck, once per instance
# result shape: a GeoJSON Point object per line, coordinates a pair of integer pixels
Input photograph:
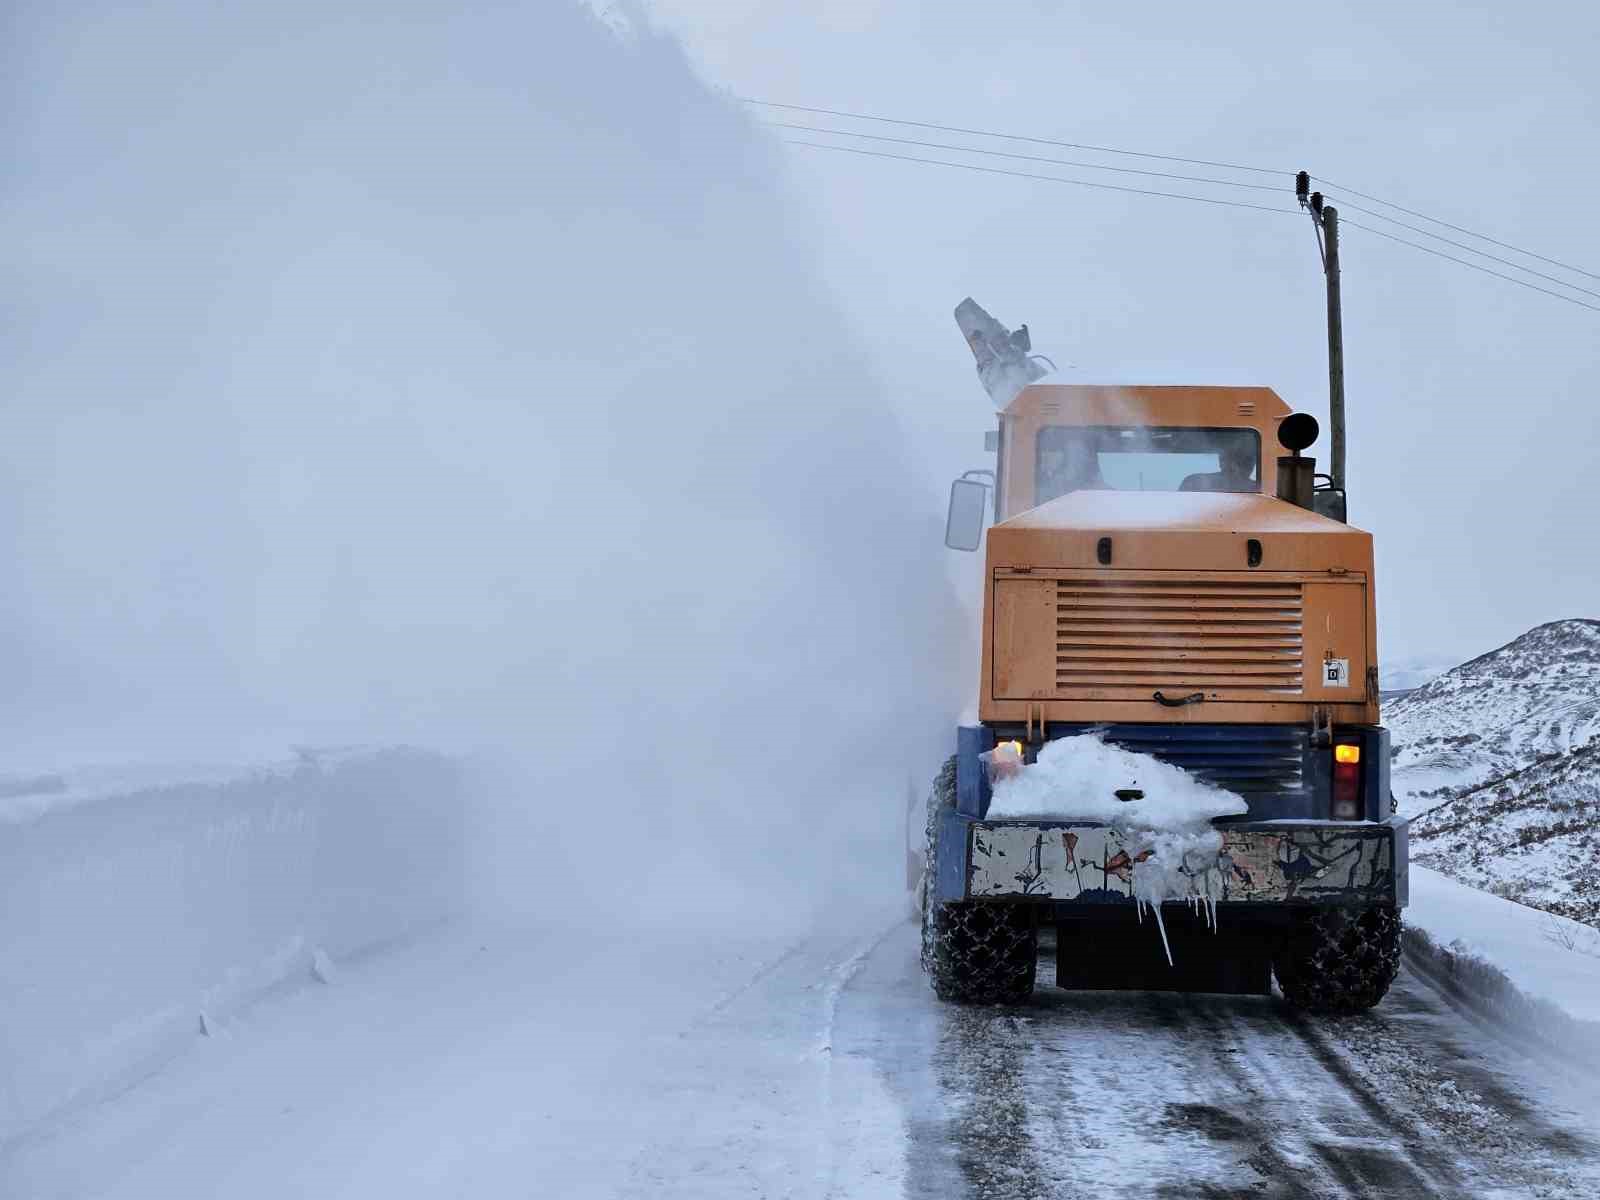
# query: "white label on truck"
{"type": "Point", "coordinates": [1336, 672]}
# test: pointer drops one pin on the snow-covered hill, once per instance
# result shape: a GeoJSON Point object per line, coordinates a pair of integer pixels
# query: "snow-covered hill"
{"type": "Point", "coordinates": [1498, 763]}
{"type": "Point", "coordinates": [1535, 697]}
{"type": "Point", "coordinates": [1532, 836]}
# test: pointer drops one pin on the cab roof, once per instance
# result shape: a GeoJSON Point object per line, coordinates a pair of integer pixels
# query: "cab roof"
{"type": "Point", "coordinates": [1136, 404]}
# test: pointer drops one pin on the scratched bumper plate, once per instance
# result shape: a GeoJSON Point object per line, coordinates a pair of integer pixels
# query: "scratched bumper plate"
{"type": "Point", "coordinates": [1308, 864]}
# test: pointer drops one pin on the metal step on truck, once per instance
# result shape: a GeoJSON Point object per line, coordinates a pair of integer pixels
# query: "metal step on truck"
{"type": "Point", "coordinates": [1159, 574]}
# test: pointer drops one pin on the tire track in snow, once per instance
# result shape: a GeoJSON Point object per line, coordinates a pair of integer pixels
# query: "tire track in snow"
{"type": "Point", "coordinates": [1249, 1098]}
{"type": "Point", "coordinates": [1320, 1130]}
{"type": "Point", "coordinates": [1385, 1117]}
{"type": "Point", "coordinates": [958, 1076]}
{"type": "Point", "coordinates": [1418, 1162]}
{"type": "Point", "coordinates": [839, 979]}
{"type": "Point", "coordinates": [753, 1100]}
{"type": "Point", "coordinates": [983, 1060]}
{"type": "Point", "coordinates": [835, 1072]}
{"type": "Point", "coordinates": [1552, 1038]}
{"type": "Point", "coordinates": [1266, 1109]}
{"type": "Point", "coordinates": [762, 972]}
{"type": "Point", "coordinates": [1468, 1113]}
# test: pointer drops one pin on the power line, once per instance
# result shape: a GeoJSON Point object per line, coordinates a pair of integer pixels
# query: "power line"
{"type": "Point", "coordinates": [1013, 137]}
{"type": "Point", "coordinates": [1328, 184]}
{"type": "Point", "coordinates": [1169, 195]}
{"type": "Point", "coordinates": [1060, 162]}
{"type": "Point", "coordinates": [1109, 187]}
{"type": "Point", "coordinates": [1112, 187]}
{"type": "Point", "coordinates": [1482, 237]}
{"type": "Point", "coordinates": [1473, 265]}
{"type": "Point", "coordinates": [1515, 266]}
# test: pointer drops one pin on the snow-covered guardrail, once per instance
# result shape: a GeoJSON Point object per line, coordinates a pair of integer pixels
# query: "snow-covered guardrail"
{"type": "Point", "coordinates": [133, 916]}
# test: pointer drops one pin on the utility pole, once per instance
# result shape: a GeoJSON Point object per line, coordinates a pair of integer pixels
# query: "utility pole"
{"type": "Point", "coordinates": [1330, 268]}
{"type": "Point", "coordinates": [1325, 219]}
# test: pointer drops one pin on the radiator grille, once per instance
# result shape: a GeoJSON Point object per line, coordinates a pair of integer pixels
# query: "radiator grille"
{"type": "Point", "coordinates": [1246, 759]}
{"type": "Point", "coordinates": [1240, 639]}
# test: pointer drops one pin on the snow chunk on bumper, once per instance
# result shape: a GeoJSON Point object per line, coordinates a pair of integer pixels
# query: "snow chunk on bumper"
{"type": "Point", "coordinates": [1077, 779]}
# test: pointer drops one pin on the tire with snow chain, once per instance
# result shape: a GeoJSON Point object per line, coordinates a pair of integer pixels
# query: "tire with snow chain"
{"type": "Point", "coordinates": [973, 952]}
{"type": "Point", "coordinates": [979, 953]}
{"type": "Point", "coordinates": [1339, 960]}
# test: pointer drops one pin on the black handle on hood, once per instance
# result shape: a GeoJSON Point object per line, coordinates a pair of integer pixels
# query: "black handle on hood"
{"type": "Point", "coordinates": [1169, 702]}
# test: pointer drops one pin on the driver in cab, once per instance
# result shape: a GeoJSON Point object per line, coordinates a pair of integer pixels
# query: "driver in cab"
{"type": "Point", "coordinates": [1068, 468]}
{"type": "Point", "coordinates": [1237, 465]}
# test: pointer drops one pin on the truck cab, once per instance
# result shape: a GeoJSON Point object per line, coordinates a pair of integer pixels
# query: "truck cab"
{"type": "Point", "coordinates": [1145, 580]}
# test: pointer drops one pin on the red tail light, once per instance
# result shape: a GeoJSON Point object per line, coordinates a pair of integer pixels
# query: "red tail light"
{"type": "Point", "coordinates": [1346, 805]}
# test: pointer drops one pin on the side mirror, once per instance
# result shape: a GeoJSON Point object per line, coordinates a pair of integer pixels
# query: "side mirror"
{"type": "Point", "coordinates": [963, 524]}
{"type": "Point", "coordinates": [1329, 502]}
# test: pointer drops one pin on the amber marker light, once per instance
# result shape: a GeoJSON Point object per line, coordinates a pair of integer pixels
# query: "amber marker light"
{"type": "Point", "coordinates": [1346, 753]}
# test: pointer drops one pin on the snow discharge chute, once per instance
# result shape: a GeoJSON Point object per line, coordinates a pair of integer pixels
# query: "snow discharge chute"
{"type": "Point", "coordinates": [1005, 364]}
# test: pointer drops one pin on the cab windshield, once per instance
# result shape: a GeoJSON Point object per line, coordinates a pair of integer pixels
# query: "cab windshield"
{"type": "Point", "coordinates": [1136, 458]}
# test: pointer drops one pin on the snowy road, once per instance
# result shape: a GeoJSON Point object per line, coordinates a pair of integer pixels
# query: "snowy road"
{"type": "Point", "coordinates": [490, 1063]}
{"type": "Point", "coordinates": [1127, 1094]}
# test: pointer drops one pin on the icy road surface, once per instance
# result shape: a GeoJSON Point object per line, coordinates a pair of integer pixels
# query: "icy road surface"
{"type": "Point", "coordinates": [496, 1063]}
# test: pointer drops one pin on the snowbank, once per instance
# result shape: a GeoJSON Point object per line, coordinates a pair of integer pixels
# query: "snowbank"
{"type": "Point", "coordinates": [1491, 946]}
{"type": "Point", "coordinates": [131, 920]}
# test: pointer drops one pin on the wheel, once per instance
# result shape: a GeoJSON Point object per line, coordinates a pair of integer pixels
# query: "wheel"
{"type": "Point", "coordinates": [973, 952]}
{"type": "Point", "coordinates": [1339, 960]}
{"type": "Point", "coordinates": [979, 953]}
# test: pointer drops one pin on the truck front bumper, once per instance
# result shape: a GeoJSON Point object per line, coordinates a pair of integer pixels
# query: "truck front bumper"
{"type": "Point", "coordinates": [1260, 863]}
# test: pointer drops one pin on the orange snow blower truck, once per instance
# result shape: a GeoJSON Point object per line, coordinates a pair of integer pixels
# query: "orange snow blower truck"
{"type": "Point", "coordinates": [1160, 574]}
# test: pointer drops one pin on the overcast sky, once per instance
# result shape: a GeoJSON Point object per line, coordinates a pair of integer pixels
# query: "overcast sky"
{"type": "Point", "coordinates": [1472, 402]}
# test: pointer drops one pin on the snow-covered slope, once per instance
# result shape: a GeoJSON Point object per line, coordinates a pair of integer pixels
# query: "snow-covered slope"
{"type": "Point", "coordinates": [1496, 763]}
{"type": "Point", "coordinates": [1531, 836]}
{"type": "Point", "coordinates": [1535, 697]}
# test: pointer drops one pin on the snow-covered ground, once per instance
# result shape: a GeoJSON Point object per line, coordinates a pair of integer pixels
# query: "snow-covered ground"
{"type": "Point", "coordinates": [1544, 956]}
{"type": "Point", "coordinates": [485, 1060]}
{"type": "Point", "coordinates": [491, 1061]}
{"type": "Point", "coordinates": [398, 1051]}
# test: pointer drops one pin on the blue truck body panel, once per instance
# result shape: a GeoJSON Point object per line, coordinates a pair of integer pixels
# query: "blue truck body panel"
{"type": "Point", "coordinates": [972, 784]}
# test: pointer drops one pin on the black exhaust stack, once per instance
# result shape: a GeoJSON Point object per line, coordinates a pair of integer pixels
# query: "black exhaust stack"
{"type": "Point", "coordinates": [1296, 472]}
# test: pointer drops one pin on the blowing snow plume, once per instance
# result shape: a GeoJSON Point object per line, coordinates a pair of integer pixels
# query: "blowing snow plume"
{"type": "Point", "coordinates": [453, 376]}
